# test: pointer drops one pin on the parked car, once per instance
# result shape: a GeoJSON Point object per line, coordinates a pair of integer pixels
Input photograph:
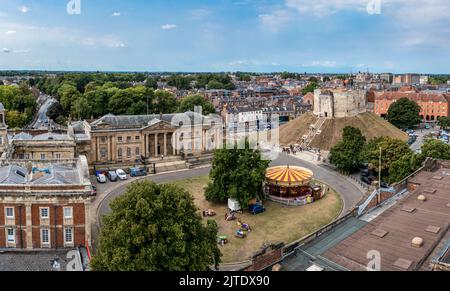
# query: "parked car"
{"type": "Point", "coordinates": [384, 185]}
{"type": "Point", "coordinates": [121, 174]}
{"type": "Point", "coordinates": [138, 172]}
{"type": "Point", "coordinates": [112, 176]}
{"type": "Point", "coordinates": [366, 180]}
{"type": "Point", "coordinates": [101, 178]}
{"type": "Point", "coordinates": [365, 172]}
{"type": "Point", "coordinates": [256, 209]}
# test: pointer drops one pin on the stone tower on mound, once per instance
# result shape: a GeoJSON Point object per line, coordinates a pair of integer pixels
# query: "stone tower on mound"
{"type": "Point", "coordinates": [339, 103]}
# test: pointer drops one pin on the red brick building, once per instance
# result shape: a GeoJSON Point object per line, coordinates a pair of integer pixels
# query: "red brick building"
{"type": "Point", "coordinates": [45, 206]}
{"type": "Point", "coordinates": [433, 104]}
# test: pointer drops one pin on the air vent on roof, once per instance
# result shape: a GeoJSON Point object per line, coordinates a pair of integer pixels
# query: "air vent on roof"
{"type": "Point", "coordinates": [422, 198]}
{"type": "Point", "coordinates": [408, 209]}
{"type": "Point", "coordinates": [437, 178]}
{"type": "Point", "coordinates": [429, 191]}
{"type": "Point", "coordinates": [20, 173]}
{"type": "Point", "coordinates": [417, 242]}
{"type": "Point", "coordinates": [379, 233]}
{"type": "Point", "coordinates": [433, 229]}
{"type": "Point", "coordinates": [403, 264]}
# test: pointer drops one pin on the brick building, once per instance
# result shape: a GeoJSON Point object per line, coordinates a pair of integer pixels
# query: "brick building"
{"type": "Point", "coordinates": [434, 104]}
{"type": "Point", "coordinates": [44, 205]}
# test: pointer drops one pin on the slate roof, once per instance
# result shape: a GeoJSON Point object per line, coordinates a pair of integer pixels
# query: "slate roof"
{"type": "Point", "coordinates": [23, 136]}
{"type": "Point", "coordinates": [35, 261]}
{"type": "Point", "coordinates": [59, 175]}
{"type": "Point", "coordinates": [140, 121]}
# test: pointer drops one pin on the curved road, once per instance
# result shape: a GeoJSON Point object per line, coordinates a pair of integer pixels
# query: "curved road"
{"type": "Point", "coordinates": [349, 192]}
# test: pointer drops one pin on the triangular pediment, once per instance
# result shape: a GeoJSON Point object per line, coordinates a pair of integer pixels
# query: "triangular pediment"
{"type": "Point", "coordinates": [158, 125]}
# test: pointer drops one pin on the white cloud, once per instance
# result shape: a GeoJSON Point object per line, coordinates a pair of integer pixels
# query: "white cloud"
{"type": "Point", "coordinates": [275, 20]}
{"type": "Point", "coordinates": [6, 50]}
{"type": "Point", "coordinates": [116, 14]}
{"type": "Point", "coordinates": [199, 13]}
{"type": "Point", "coordinates": [24, 9]}
{"type": "Point", "coordinates": [323, 8]}
{"type": "Point", "coordinates": [168, 26]}
{"type": "Point", "coordinates": [10, 32]}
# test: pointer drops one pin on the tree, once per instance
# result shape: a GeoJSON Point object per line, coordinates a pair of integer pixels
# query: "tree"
{"type": "Point", "coordinates": [236, 173]}
{"type": "Point", "coordinates": [15, 119]}
{"type": "Point", "coordinates": [404, 113]}
{"type": "Point", "coordinates": [444, 122]}
{"type": "Point", "coordinates": [403, 167]}
{"type": "Point", "coordinates": [155, 228]}
{"type": "Point", "coordinates": [346, 154]}
{"type": "Point", "coordinates": [436, 149]}
{"type": "Point", "coordinates": [151, 83]}
{"type": "Point", "coordinates": [81, 108]}
{"type": "Point", "coordinates": [391, 150]}
{"type": "Point", "coordinates": [165, 102]}
{"type": "Point", "coordinates": [67, 95]}
{"type": "Point", "coordinates": [310, 88]}
{"type": "Point", "coordinates": [188, 103]}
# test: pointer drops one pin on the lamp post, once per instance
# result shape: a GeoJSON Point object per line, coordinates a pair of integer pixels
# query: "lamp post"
{"type": "Point", "coordinates": [379, 177]}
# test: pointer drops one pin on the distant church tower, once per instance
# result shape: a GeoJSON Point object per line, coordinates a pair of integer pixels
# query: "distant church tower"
{"type": "Point", "coordinates": [3, 130]}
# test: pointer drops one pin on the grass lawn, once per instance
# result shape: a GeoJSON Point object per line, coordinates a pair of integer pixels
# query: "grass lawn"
{"type": "Point", "coordinates": [278, 224]}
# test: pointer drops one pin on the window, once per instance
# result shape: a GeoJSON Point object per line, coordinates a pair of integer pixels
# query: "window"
{"type": "Point", "coordinates": [42, 156]}
{"type": "Point", "coordinates": [26, 156]}
{"type": "Point", "coordinates": [138, 152]}
{"type": "Point", "coordinates": [68, 235]}
{"type": "Point", "coordinates": [9, 212]}
{"type": "Point", "coordinates": [11, 235]}
{"type": "Point", "coordinates": [68, 212]}
{"type": "Point", "coordinates": [138, 137]}
{"type": "Point", "coordinates": [128, 138]}
{"type": "Point", "coordinates": [45, 236]}
{"type": "Point", "coordinates": [44, 213]}
{"type": "Point", "coordinates": [129, 152]}
{"type": "Point", "coordinates": [103, 153]}
{"type": "Point", "coordinates": [58, 156]}
{"type": "Point", "coordinates": [103, 139]}
{"type": "Point", "coordinates": [119, 139]}
{"type": "Point", "coordinates": [119, 153]}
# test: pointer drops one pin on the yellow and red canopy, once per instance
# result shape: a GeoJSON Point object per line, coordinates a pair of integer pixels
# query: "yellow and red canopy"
{"type": "Point", "coordinates": [288, 176]}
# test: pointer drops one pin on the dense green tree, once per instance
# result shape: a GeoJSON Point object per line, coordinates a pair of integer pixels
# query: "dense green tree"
{"type": "Point", "coordinates": [403, 167]}
{"type": "Point", "coordinates": [188, 103]}
{"type": "Point", "coordinates": [310, 88]}
{"type": "Point", "coordinates": [15, 119]}
{"type": "Point", "coordinates": [165, 102]}
{"type": "Point", "coordinates": [444, 122]}
{"type": "Point", "coordinates": [180, 82]}
{"type": "Point", "coordinates": [436, 149]}
{"type": "Point", "coordinates": [55, 111]}
{"type": "Point", "coordinates": [345, 155]}
{"type": "Point", "coordinates": [404, 113]}
{"type": "Point", "coordinates": [67, 94]}
{"type": "Point", "coordinates": [391, 150]}
{"type": "Point", "coordinates": [152, 83]}
{"type": "Point", "coordinates": [236, 173]}
{"type": "Point", "coordinates": [81, 109]}
{"type": "Point", "coordinates": [155, 228]}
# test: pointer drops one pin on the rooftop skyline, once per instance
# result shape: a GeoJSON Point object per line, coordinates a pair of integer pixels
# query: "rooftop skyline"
{"type": "Point", "coordinates": [333, 36]}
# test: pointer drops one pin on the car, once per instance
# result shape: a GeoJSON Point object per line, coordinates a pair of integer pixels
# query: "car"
{"type": "Point", "coordinates": [101, 178]}
{"type": "Point", "coordinates": [366, 180]}
{"type": "Point", "coordinates": [112, 176]}
{"type": "Point", "coordinates": [384, 185]}
{"type": "Point", "coordinates": [138, 172]}
{"type": "Point", "coordinates": [256, 209]}
{"type": "Point", "coordinates": [121, 174]}
{"type": "Point", "coordinates": [365, 172]}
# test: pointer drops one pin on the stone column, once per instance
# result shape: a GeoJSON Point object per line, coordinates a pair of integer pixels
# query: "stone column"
{"type": "Point", "coordinates": [98, 150]}
{"type": "Point", "coordinates": [156, 145]}
{"type": "Point", "coordinates": [165, 144]}
{"type": "Point", "coordinates": [29, 225]}
{"type": "Point", "coordinates": [174, 144]}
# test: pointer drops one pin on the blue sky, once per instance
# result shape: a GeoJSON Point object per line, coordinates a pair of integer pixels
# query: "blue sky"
{"type": "Point", "coordinates": [227, 35]}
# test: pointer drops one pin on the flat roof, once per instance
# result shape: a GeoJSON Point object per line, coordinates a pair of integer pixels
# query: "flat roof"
{"type": "Point", "coordinates": [392, 232]}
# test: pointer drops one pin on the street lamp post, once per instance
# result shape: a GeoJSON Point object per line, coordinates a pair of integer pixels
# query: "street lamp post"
{"type": "Point", "coordinates": [379, 177]}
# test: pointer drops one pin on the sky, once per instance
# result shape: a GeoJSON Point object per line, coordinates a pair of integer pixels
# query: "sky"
{"type": "Point", "coordinates": [314, 36]}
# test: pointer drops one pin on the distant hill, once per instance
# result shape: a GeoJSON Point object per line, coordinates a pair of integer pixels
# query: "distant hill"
{"type": "Point", "coordinates": [370, 124]}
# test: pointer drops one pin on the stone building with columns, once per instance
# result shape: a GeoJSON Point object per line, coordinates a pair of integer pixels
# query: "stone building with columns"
{"type": "Point", "coordinates": [140, 138]}
{"type": "Point", "coordinates": [45, 205]}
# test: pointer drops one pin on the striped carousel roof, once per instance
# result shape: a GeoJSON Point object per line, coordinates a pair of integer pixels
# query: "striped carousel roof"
{"type": "Point", "coordinates": [289, 175]}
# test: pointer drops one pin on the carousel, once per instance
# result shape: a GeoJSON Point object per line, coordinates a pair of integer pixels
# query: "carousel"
{"type": "Point", "coordinates": [291, 185]}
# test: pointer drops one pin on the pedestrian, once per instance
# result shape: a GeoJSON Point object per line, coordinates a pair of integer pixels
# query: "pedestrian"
{"type": "Point", "coordinates": [162, 157]}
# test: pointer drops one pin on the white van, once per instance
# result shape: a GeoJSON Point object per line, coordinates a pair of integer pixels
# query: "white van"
{"type": "Point", "coordinates": [233, 205]}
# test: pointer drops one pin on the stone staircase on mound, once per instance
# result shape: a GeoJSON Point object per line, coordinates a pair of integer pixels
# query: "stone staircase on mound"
{"type": "Point", "coordinates": [313, 132]}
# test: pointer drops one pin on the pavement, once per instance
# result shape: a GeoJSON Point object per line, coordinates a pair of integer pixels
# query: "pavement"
{"type": "Point", "coordinates": [421, 133]}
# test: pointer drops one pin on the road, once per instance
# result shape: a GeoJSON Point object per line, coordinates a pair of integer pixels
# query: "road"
{"type": "Point", "coordinates": [421, 133]}
{"type": "Point", "coordinates": [42, 120]}
{"type": "Point", "coordinates": [351, 194]}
